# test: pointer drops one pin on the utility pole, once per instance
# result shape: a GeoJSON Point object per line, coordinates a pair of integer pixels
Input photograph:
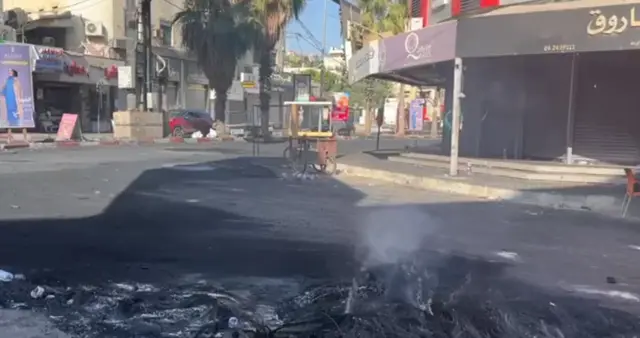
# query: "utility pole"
{"type": "Point", "coordinates": [324, 48]}
{"type": "Point", "coordinates": [143, 50]}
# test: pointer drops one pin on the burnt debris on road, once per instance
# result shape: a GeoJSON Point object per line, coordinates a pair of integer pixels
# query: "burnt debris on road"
{"type": "Point", "coordinates": [178, 245]}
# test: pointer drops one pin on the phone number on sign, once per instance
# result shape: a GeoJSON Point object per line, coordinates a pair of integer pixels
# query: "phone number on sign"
{"type": "Point", "coordinates": [559, 48]}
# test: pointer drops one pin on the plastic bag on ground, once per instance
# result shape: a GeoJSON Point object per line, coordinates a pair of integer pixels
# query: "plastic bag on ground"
{"type": "Point", "coordinates": [212, 134]}
{"type": "Point", "coordinates": [5, 276]}
{"type": "Point", "coordinates": [197, 134]}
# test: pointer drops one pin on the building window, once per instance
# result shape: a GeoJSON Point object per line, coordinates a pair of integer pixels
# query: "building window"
{"type": "Point", "coordinates": [167, 34]}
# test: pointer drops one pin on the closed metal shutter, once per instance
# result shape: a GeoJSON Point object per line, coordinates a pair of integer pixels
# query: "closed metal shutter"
{"type": "Point", "coordinates": [237, 113]}
{"type": "Point", "coordinates": [196, 97]}
{"type": "Point", "coordinates": [606, 118]}
{"type": "Point", "coordinates": [415, 9]}
{"type": "Point", "coordinates": [546, 105]}
{"type": "Point", "coordinates": [468, 6]}
{"type": "Point", "coordinates": [172, 96]}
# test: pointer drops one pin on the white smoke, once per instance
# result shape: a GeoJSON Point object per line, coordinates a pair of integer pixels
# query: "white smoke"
{"type": "Point", "coordinates": [390, 234]}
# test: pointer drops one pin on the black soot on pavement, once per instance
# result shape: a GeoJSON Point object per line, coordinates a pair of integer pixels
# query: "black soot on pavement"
{"type": "Point", "coordinates": [448, 297]}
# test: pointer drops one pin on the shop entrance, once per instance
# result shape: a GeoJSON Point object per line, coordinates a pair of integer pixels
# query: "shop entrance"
{"type": "Point", "coordinates": [53, 100]}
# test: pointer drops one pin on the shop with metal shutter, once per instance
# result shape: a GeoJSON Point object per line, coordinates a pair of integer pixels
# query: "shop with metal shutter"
{"type": "Point", "coordinates": [579, 81]}
{"type": "Point", "coordinates": [606, 119]}
{"type": "Point", "coordinates": [174, 79]}
{"type": "Point", "coordinates": [546, 105]}
{"type": "Point", "coordinates": [172, 96]}
{"type": "Point", "coordinates": [197, 97]}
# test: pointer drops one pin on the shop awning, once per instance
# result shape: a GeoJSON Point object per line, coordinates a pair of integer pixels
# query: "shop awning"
{"type": "Point", "coordinates": [406, 57]}
{"type": "Point", "coordinates": [562, 27]}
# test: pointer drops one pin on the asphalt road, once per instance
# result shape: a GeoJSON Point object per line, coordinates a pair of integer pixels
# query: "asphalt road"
{"type": "Point", "coordinates": [146, 241]}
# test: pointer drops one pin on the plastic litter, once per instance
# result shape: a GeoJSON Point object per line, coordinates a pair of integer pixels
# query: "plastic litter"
{"type": "Point", "coordinates": [6, 276]}
{"type": "Point", "coordinates": [37, 293]}
{"type": "Point", "coordinates": [212, 133]}
{"type": "Point", "coordinates": [233, 323]}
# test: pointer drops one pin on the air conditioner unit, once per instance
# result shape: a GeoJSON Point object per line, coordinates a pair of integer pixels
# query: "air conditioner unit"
{"type": "Point", "coordinates": [119, 43]}
{"type": "Point", "coordinates": [93, 28]}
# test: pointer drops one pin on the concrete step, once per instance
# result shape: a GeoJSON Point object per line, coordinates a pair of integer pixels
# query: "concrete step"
{"type": "Point", "coordinates": [527, 166]}
{"type": "Point", "coordinates": [515, 173]}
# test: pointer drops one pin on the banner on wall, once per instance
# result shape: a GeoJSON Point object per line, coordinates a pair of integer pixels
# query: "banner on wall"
{"type": "Point", "coordinates": [301, 87]}
{"type": "Point", "coordinates": [16, 96]}
{"type": "Point", "coordinates": [416, 115]}
{"type": "Point", "coordinates": [340, 110]}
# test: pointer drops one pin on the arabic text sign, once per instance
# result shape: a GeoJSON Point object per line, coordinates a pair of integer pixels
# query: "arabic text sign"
{"type": "Point", "coordinates": [605, 28]}
{"type": "Point", "coordinates": [16, 97]}
{"type": "Point", "coordinates": [611, 24]}
{"type": "Point", "coordinates": [364, 62]}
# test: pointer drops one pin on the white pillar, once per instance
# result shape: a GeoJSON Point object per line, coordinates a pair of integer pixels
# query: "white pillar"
{"type": "Point", "coordinates": [455, 118]}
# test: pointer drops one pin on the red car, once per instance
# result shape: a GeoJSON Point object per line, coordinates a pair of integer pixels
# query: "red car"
{"type": "Point", "coordinates": [184, 122]}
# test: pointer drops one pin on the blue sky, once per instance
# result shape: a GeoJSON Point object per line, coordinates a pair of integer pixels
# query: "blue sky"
{"type": "Point", "coordinates": [312, 18]}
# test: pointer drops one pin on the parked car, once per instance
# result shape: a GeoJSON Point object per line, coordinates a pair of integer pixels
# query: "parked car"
{"type": "Point", "coordinates": [184, 122]}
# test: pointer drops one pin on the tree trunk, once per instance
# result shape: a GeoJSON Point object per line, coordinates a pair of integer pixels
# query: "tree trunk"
{"type": "Point", "coordinates": [367, 118]}
{"type": "Point", "coordinates": [401, 119]}
{"type": "Point", "coordinates": [265, 73]}
{"type": "Point", "coordinates": [220, 107]}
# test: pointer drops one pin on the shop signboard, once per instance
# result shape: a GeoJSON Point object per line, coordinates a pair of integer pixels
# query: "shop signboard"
{"type": "Point", "coordinates": [421, 47]}
{"type": "Point", "coordinates": [67, 127]}
{"type": "Point", "coordinates": [50, 59]}
{"type": "Point", "coordinates": [364, 62]}
{"type": "Point", "coordinates": [570, 30]}
{"type": "Point", "coordinates": [16, 104]}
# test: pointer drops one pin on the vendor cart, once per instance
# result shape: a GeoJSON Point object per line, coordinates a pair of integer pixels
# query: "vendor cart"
{"type": "Point", "coordinates": [315, 145]}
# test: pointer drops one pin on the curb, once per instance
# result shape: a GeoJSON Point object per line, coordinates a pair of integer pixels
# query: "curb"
{"type": "Point", "coordinates": [603, 204]}
{"type": "Point", "coordinates": [76, 144]}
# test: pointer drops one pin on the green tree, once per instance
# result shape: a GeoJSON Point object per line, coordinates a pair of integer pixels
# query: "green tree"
{"type": "Point", "coordinates": [378, 16]}
{"type": "Point", "coordinates": [332, 81]}
{"type": "Point", "coordinates": [370, 95]}
{"type": "Point", "coordinates": [219, 33]}
{"type": "Point", "coordinates": [273, 16]}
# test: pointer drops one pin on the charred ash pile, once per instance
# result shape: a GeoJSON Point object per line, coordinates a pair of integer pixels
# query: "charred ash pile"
{"type": "Point", "coordinates": [407, 301]}
{"type": "Point", "coordinates": [461, 299]}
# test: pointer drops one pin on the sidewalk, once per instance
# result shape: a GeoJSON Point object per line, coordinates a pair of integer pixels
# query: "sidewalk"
{"type": "Point", "coordinates": [38, 142]}
{"type": "Point", "coordinates": [603, 198]}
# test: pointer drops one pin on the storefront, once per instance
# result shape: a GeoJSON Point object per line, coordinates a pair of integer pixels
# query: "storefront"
{"type": "Point", "coordinates": [175, 86]}
{"type": "Point", "coordinates": [197, 91]}
{"type": "Point", "coordinates": [173, 89]}
{"type": "Point", "coordinates": [552, 81]}
{"type": "Point", "coordinates": [53, 68]}
{"type": "Point", "coordinates": [65, 82]}
{"type": "Point", "coordinates": [103, 92]}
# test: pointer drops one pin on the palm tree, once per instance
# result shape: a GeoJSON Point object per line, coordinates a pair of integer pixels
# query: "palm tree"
{"type": "Point", "coordinates": [219, 33]}
{"type": "Point", "coordinates": [378, 17]}
{"type": "Point", "coordinates": [273, 16]}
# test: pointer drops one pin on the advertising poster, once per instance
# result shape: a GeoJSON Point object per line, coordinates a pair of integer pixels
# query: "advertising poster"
{"type": "Point", "coordinates": [416, 115]}
{"type": "Point", "coordinates": [340, 107]}
{"type": "Point", "coordinates": [16, 98]}
{"type": "Point", "coordinates": [302, 87]}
